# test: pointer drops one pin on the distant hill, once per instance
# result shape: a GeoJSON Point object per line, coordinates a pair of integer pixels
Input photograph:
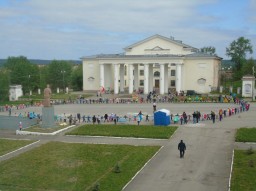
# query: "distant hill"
{"type": "Point", "coordinates": [42, 62]}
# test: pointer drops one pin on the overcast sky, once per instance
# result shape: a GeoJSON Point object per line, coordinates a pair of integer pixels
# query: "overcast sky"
{"type": "Point", "coordinates": [70, 29]}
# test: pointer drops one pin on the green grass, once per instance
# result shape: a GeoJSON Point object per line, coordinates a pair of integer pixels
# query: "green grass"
{"type": "Point", "coordinates": [44, 130]}
{"type": "Point", "coordinates": [72, 166]}
{"type": "Point", "coordinates": [143, 131]}
{"type": "Point", "coordinates": [243, 175]}
{"type": "Point", "coordinates": [2, 103]}
{"type": "Point", "coordinates": [8, 145]}
{"type": "Point", "coordinates": [55, 96]}
{"type": "Point", "coordinates": [246, 135]}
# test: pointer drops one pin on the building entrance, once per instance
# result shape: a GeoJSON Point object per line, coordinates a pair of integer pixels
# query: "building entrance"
{"type": "Point", "coordinates": [156, 83]}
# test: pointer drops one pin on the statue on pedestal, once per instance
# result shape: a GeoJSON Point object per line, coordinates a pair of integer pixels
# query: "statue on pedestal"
{"type": "Point", "coordinates": [47, 96]}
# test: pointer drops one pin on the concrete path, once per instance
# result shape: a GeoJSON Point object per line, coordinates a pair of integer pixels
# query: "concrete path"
{"type": "Point", "coordinates": [207, 161]}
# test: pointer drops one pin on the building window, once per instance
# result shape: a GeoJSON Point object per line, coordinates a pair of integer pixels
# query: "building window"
{"type": "Point", "coordinates": [173, 72]}
{"type": "Point", "coordinates": [201, 81]}
{"type": "Point", "coordinates": [125, 70]}
{"type": "Point", "coordinates": [202, 65]}
{"type": "Point", "coordinates": [141, 72]}
{"type": "Point", "coordinates": [124, 82]}
{"type": "Point", "coordinates": [141, 82]}
{"type": "Point", "coordinates": [172, 82]}
{"type": "Point", "coordinates": [156, 74]}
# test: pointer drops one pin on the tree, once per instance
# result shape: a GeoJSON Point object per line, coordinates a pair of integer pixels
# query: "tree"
{"type": "Point", "coordinates": [248, 67]}
{"type": "Point", "coordinates": [4, 84]}
{"type": "Point", "coordinates": [237, 50]}
{"type": "Point", "coordinates": [23, 72]}
{"type": "Point", "coordinates": [59, 74]}
{"type": "Point", "coordinates": [208, 50]}
{"type": "Point", "coordinates": [77, 78]}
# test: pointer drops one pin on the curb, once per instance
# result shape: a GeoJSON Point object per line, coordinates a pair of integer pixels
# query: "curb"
{"type": "Point", "coordinates": [18, 132]}
{"type": "Point", "coordinates": [231, 169]}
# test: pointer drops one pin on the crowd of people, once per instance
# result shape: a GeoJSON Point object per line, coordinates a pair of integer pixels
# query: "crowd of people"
{"type": "Point", "coordinates": [150, 98]}
{"type": "Point", "coordinates": [184, 118]}
{"type": "Point", "coordinates": [197, 116]}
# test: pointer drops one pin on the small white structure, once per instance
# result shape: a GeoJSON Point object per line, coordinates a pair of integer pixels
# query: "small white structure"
{"type": "Point", "coordinates": [15, 91]}
{"type": "Point", "coordinates": [248, 86]}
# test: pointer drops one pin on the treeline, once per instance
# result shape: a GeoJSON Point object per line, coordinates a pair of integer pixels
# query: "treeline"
{"type": "Point", "coordinates": [20, 71]}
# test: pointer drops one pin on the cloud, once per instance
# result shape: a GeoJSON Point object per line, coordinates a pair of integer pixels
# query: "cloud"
{"type": "Point", "coordinates": [69, 29]}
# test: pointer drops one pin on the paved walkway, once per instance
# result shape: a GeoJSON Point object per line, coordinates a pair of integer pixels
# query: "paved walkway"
{"type": "Point", "coordinates": [207, 161]}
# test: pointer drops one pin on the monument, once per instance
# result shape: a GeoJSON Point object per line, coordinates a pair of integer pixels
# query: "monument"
{"type": "Point", "coordinates": [48, 109]}
{"type": "Point", "coordinates": [248, 87]}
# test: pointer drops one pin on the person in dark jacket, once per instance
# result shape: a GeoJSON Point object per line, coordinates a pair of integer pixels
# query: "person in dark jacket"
{"type": "Point", "coordinates": [94, 119]}
{"type": "Point", "coordinates": [182, 148]}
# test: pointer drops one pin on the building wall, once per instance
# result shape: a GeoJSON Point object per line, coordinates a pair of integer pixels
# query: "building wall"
{"type": "Point", "coordinates": [91, 70]}
{"type": "Point", "coordinates": [193, 70]}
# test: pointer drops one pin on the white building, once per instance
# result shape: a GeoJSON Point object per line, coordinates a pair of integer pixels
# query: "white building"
{"type": "Point", "coordinates": [158, 63]}
{"type": "Point", "coordinates": [15, 91]}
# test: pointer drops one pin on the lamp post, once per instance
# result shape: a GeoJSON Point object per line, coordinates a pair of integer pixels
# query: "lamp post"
{"type": "Point", "coordinates": [29, 86]}
{"type": "Point", "coordinates": [63, 72]}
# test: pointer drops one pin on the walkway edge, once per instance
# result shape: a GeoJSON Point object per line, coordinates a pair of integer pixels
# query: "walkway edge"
{"type": "Point", "coordinates": [231, 169]}
{"type": "Point", "coordinates": [19, 149]}
{"type": "Point", "coordinates": [18, 132]}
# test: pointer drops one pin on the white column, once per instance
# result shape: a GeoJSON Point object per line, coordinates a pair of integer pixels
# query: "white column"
{"type": "Point", "coordinates": [136, 77]}
{"type": "Point", "coordinates": [116, 78]}
{"type": "Point", "coordinates": [146, 78]}
{"type": "Point", "coordinates": [102, 75]}
{"type": "Point", "coordinates": [122, 78]}
{"type": "Point", "coordinates": [151, 77]}
{"type": "Point", "coordinates": [162, 79]}
{"type": "Point", "coordinates": [130, 78]}
{"type": "Point", "coordinates": [166, 78]}
{"type": "Point", "coordinates": [178, 77]}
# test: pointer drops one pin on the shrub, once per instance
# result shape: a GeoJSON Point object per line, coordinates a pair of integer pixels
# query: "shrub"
{"type": "Point", "coordinates": [249, 151]}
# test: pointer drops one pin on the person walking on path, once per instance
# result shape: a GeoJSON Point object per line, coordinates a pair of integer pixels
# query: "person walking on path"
{"type": "Point", "coordinates": [182, 148]}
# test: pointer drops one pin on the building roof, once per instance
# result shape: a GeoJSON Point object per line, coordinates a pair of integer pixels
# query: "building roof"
{"type": "Point", "coordinates": [196, 53]}
{"type": "Point", "coordinates": [202, 55]}
{"type": "Point", "coordinates": [171, 39]}
{"type": "Point", "coordinates": [116, 56]}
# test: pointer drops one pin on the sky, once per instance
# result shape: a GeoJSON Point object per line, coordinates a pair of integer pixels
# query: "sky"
{"type": "Point", "coordinates": [71, 29]}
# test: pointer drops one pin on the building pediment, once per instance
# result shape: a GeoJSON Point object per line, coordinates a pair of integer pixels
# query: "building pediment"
{"type": "Point", "coordinates": [158, 44]}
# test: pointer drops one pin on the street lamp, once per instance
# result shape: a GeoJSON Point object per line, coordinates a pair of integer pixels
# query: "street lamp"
{"type": "Point", "coordinates": [29, 86]}
{"type": "Point", "coordinates": [63, 72]}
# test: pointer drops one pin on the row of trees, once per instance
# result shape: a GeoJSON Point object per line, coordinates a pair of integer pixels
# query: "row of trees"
{"type": "Point", "coordinates": [19, 70]}
{"type": "Point", "coordinates": [237, 51]}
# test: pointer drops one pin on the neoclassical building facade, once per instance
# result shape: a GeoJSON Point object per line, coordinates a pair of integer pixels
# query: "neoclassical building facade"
{"type": "Point", "coordinates": [155, 63]}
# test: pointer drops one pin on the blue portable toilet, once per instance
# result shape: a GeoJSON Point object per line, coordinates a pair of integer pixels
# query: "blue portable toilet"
{"type": "Point", "coordinates": [162, 117]}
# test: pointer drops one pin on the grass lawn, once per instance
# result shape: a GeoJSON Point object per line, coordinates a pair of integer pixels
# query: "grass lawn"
{"type": "Point", "coordinates": [142, 131]}
{"type": "Point", "coordinates": [8, 145]}
{"type": "Point", "coordinates": [73, 166]}
{"type": "Point", "coordinates": [244, 175]}
{"type": "Point", "coordinates": [45, 130]}
{"type": "Point", "coordinates": [56, 96]}
{"type": "Point", "coordinates": [246, 135]}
